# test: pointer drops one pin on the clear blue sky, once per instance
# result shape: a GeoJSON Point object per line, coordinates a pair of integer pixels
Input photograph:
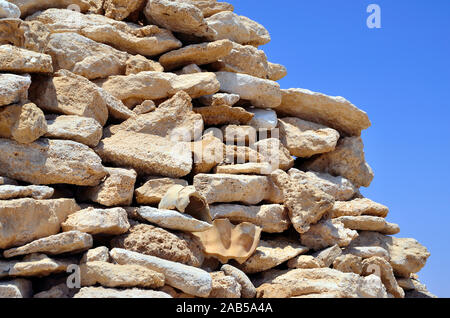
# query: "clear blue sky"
{"type": "Point", "coordinates": [399, 75]}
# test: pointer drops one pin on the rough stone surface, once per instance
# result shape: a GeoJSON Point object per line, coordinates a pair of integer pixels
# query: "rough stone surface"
{"type": "Point", "coordinates": [8, 192]}
{"type": "Point", "coordinates": [121, 9]}
{"type": "Point", "coordinates": [223, 114]}
{"type": "Point", "coordinates": [305, 262]}
{"type": "Point", "coordinates": [219, 99]}
{"type": "Point", "coordinates": [258, 168]}
{"type": "Point", "coordinates": [138, 63]}
{"type": "Point", "coordinates": [358, 207]}
{"type": "Point", "coordinates": [273, 152]}
{"type": "Point", "coordinates": [38, 265]}
{"type": "Point", "coordinates": [263, 118]}
{"type": "Point", "coordinates": [207, 153]}
{"type": "Point", "coordinates": [380, 267]}
{"type": "Point", "coordinates": [13, 88]}
{"type": "Point", "coordinates": [152, 191]}
{"type": "Point", "coordinates": [30, 35]}
{"type": "Point", "coordinates": [369, 223]}
{"type": "Point", "coordinates": [18, 60]}
{"type": "Point", "coordinates": [328, 255]}
{"type": "Point", "coordinates": [248, 290]}
{"type": "Point", "coordinates": [224, 286]}
{"type": "Point", "coordinates": [16, 288]}
{"type": "Point", "coordinates": [100, 254]}
{"type": "Point", "coordinates": [101, 292]}
{"type": "Point", "coordinates": [348, 263]}
{"type": "Point", "coordinates": [276, 71]}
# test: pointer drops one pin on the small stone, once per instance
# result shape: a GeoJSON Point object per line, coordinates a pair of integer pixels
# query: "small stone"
{"type": "Point", "coordinates": [28, 7]}
{"type": "Point", "coordinates": [239, 134]}
{"type": "Point", "coordinates": [368, 252]}
{"type": "Point", "coordinates": [348, 264]}
{"type": "Point", "coordinates": [219, 99]}
{"type": "Point", "coordinates": [57, 291]}
{"type": "Point", "coordinates": [138, 63]}
{"type": "Point", "coordinates": [207, 153]}
{"type": "Point", "coordinates": [38, 265]}
{"type": "Point", "coordinates": [13, 88]}
{"type": "Point", "coordinates": [328, 255]}
{"type": "Point", "coordinates": [154, 189]}
{"type": "Point", "coordinates": [147, 106]}
{"type": "Point", "coordinates": [358, 207]}
{"type": "Point", "coordinates": [98, 221]}
{"type": "Point", "coordinates": [224, 286]}
{"type": "Point", "coordinates": [248, 290]}
{"type": "Point", "coordinates": [223, 114]}
{"type": "Point", "coordinates": [197, 84]}
{"type": "Point", "coordinates": [189, 69]}
{"type": "Point", "coordinates": [305, 262]}
{"type": "Point", "coordinates": [276, 71]}
{"type": "Point", "coordinates": [121, 9]}
{"type": "Point", "coordinates": [369, 223]}
{"type": "Point", "coordinates": [8, 192]}
{"type": "Point", "coordinates": [259, 168]}
{"type": "Point", "coordinates": [211, 7]}
{"type": "Point", "coordinates": [16, 288]}
{"type": "Point", "coordinates": [100, 254]}
{"type": "Point", "coordinates": [263, 118]}
{"type": "Point", "coordinates": [380, 267]}
{"type": "Point", "coordinates": [100, 292]}
{"type": "Point", "coordinates": [30, 35]}
{"type": "Point", "coordinates": [19, 60]}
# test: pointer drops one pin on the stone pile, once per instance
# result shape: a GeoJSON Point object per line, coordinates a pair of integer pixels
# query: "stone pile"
{"type": "Point", "coordinates": [146, 150]}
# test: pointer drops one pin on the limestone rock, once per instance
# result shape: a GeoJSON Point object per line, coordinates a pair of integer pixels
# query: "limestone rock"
{"type": "Point", "coordinates": [328, 256]}
{"type": "Point", "coordinates": [154, 189]}
{"type": "Point", "coordinates": [173, 220]}
{"type": "Point", "coordinates": [358, 207]}
{"type": "Point", "coordinates": [346, 160]}
{"type": "Point", "coordinates": [147, 154]}
{"type": "Point", "coordinates": [16, 288]}
{"type": "Point", "coordinates": [219, 99]}
{"type": "Point", "coordinates": [197, 84]}
{"type": "Point", "coordinates": [263, 118]}
{"type": "Point", "coordinates": [239, 29]}
{"type": "Point", "coordinates": [223, 114]}
{"type": "Point", "coordinates": [211, 7]}
{"type": "Point", "coordinates": [305, 262]}
{"type": "Point", "coordinates": [306, 205]}
{"type": "Point", "coordinates": [98, 221]}
{"type": "Point", "coordinates": [305, 139]}
{"type": "Point", "coordinates": [30, 35]}
{"type": "Point", "coordinates": [28, 7]}
{"type": "Point", "coordinates": [348, 264]}
{"type": "Point", "coordinates": [239, 134]}
{"type": "Point", "coordinates": [334, 112]}
{"type": "Point", "coordinates": [198, 54]}
{"type": "Point", "coordinates": [369, 223]}
{"type": "Point", "coordinates": [18, 60]}
{"type": "Point", "coordinates": [272, 218]}
{"type": "Point", "coordinates": [150, 240]}
{"type": "Point", "coordinates": [138, 63]}
{"type": "Point", "coordinates": [261, 93]}
{"type": "Point", "coordinates": [57, 291]}
{"type": "Point", "coordinates": [207, 153]}
{"type": "Point", "coordinates": [132, 38]}
{"type": "Point", "coordinates": [380, 267]}
{"type": "Point", "coordinates": [367, 252]}
{"type": "Point", "coordinates": [25, 220]}
{"type": "Point", "coordinates": [85, 57]}
{"type": "Point", "coordinates": [328, 233]}
{"type": "Point", "coordinates": [259, 168]}
{"type": "Point", "coordinates": [225, 241]}
{"type": "Point", "coordinates": [13, 88]}
{"type": "Point", "coordinates": [38, 265]}
{"type": "Point", "coordinates": [237, 188]}
{"type": "Point", "coordinates": [70, 127]}
{"type": "Point", "coordinates": [224, 286]}
{"type": "Point", "coordinates": [276, 71]}
{"type": "Point", "coordinates": [8, 192]}
{"type": "Point", "coordinates": [241, 154]}
{"type": "Point", "coordinates": [191, 280]}
{"type": "Point", "coordinates": [100, 292]}
{"type": "Point", "coordinates": [100, 254]}
{"type": "Point", "coordinates": [273, 152]}
{"type": "Point", "coordinates": [116, 190]}
{"type": "Point", "coordinates": [189, 69]}
{"type": "Point", "coordinates": [271, 253]}
{"type": "Point", "coordinates": [69, 94]}
{"type": "Point", "coordinates": [9, 10]}
{"type": "Point", "coordinates": [338, 187]}
{"type": "Point", "coordinates": [147, 106]}
{"type": "Point", "coordinates": [116, 108]}
{"type": "Point", "coordinates": [73, 241]}
{"type": "Point", "coordinates": [51, 162]}
{"type": "Point", "coordinates": [121, 9]}
{"type": "Point", "coordinates": [248, 290]}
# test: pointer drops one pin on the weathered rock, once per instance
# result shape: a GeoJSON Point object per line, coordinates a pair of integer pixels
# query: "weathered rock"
{"type": "Point", "coordinates": [272, 218]}
{"type": "Point", "coordinates": [237, 188]}
{"type": "Point", "coordinates": [154, 189]}
{"type": "Point", "coordinates": [259, 168]}
{"type": "Point", "coordinates": [57, 291]}
{"type": "Point", "coordinates": [16, 288]}
{"type": "Point", "coordinates": [211, 7]}
{"type": "Point", "coordinates": [260, 92]}
{"type": "Point", "coordinates": [173, 118]}
{"type": "Point", "coordinates": [276, 71]}
{"type": "Point", "coordinates": [7, 181]}
{"type": "Point", "coordinates": [114, 275]}
{"type": "Point", "coordinates": [248, 290]}
{"type": "Point", "coordinates": [346, 160]}
{"type": "Point", "coordinates": [368, 252]}
{"type": "Point", "coordinates": [224, 286]}
{"type": "Point", "coordinates": [73, 241]}
{"type": "Point", "coordinates": [328, 255]}
{"type": "Point", "coordinates": [369, 223]}
{"type": "Point", "coordinates": [239, 134]}
{"type": "Point", "coordinates": [150, 240]}
{"type": "Point", "coordinates": [338, 187]}
{"type": "Point", "coordinates": [380, 267]}
{"type": "Point", "coordinates": [320, 282]}
{"type": "Point", "coordinates": [191, 280]}
{"type": "Point", "coordinates": [173, 220]}
{"type": "Point", "coordinates": [271, 253]}
{"type": "Point", "coordinates": [116, 108]}
{"type": "Point", "coordinates": [197, 84]}
{"type": "Point", "coordinates": [36, 265]}
{"type": "Point", "coordinates": [327, 233]}
{"type": "Point", "coordinates": [306, 204]}
{"type": "Point", "coordinates": [305, 262]}
{"type": "Point", "coordinates": [48, 161]}
{"type": "Point", "coordinates": [30, 35]}
{"type": "Point", "coordinates": [8, 192]}
{"type": "Point", "coordinates": [305, 139]}
{"type": "Point", "coordinates": [69, 94]}
{"type": "Point", "coordinates": [116, 190]}
{"type": "Point", "coordinates": [25, 220]}
{"type": "Point", "coordinates": [147, 154]}
{"type": "Point", "coordinates": [100, 254]}
{"type": "Point", "coordinates": [70, 127]}
{"type": "Point", "coordinates": [198, 54]}
{"type": "Point", "coordinates": [239, 29]}
{"type": "Point", "coordinates": [9, 10]}
{"type": "Point", "coordinates": [147, 106]}
{"type": "Point", "coordinates": [135, 39]}
{"type": "Point", "coordinates": [240, 154]}
{"type": "Point", "coordinates": [100, 292]}
{"type": "Point", "coordinates": [348, 264]}
{"type": "Point", "coordinates": [18, 60]}
{"type": "Point", "coordinates": [28, 7]}
{"type": "Point", "coordinates": [263, 118]}
{"type": "Point", "coordinates": [85, 57]}
{"type": "Point", "coordinates": [207, 153]}
{"type": "Point", "coordinates": [189, 69]}
{"type": "Point", "coordinates": [358, 207]}
{"type": "Point", "coordinates": [121, 9]}
{"type": "Point", "coordinates": [13, 88]}
{"type": "Point", "coordinates": [225, 241]}
{"type": "Point", "coordinates": [223, 114]}
{"type": "Point", "coordinates": [98, 221]}
{"type": "Point", "coordinates": [138, 63]}
{"type": "Point", "coordinates": [273, 152]}
{"type": "Point", "coordinates": [334, 112]}
{"type": "Point", "coordinates": [219, 99]}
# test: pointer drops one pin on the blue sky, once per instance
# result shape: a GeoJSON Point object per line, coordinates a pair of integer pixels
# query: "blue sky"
{"type": "Point", "coordinates": [399, 75]}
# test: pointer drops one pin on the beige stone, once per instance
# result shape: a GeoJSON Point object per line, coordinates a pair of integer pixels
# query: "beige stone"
{"type": "Point", "coordinates": [152, 191]}
{"type": "Point", "coordinates": [369, 223]}
{"type": "Point", "coordinates": [306, 204]}
{"type": "Point", "coordinates": [346, 160]}
{"type": "Point", "coordinates": [224, 286]}
{"type": "Point", "coordinates": [358, 207]}
{"type": "Point", "coordinates": [101, 292]}
{"type": "Point", "coordinates": [263, 119]}
{"type": "Point", "coordinates": [13, 88]}
{"type": "Point", "coordinates": [248, 290]}
{"type": "Point", "coordinates": [199, 54]}
{"type": "Point", "coordinates": [261, 93]}
{"type": "Point", "coordinates": [57, 291]}
{"type": "Point", "coordinates": [37, 265]}
{"type": "Point", "coordinates": [367, 252]}
{"type": "Point", "coordinates": [73, 241]}
{"type": "Point", "coordinates": [211, 7]}
{"type": "Point", "coordinates": [304, 262]}
{"type": "Point", "coordinates": [147, 106]}
{"type": "Point", "coordinates": [328, 255]}
{"type": "Point", "coordinates": [380, 267]}
{"type": "Point", "coordinates": [239, 29]}
{"type": "Point", "coordinates": [151, 240]}
{"type": "Point", "coordinates": [189, 69]}
{"type": "Point", "coordinates": [276, 71]}
{"type": "Point", "coordinates": [8, 10]}
{"type": "Point", "coordinates": [16, 288]}
{"type": "Point", "coordinates": [348, 264]}
{"type": "Point", "coordinates": [69, 94]}
{"type": "Point", "coordinates": [100, 254]}
{"type": "Point", "coordinates": [197, 84]}
{"type": "Point", "coordinates": [240, 154]}
{"type": "Point", "coordinates": [114, 275]}
{"type": "Point", "coordinates": [226, 241]}
{"type": "Point", "coordinates": [239, 134]}
{"type": "Point", "coordinates": [237, 188]}
{"type": "Point", "coordinates": [116, 108]}
{"type": "Point", "coordinates": [334, 112]}
{"type": "Point", "coordinates": [207, 153]}
{"type": "Point", "coordinates": [48, 161]}
{"type": "Point", "coordinates": [25, 220]}
{"type": "Point", "coordinates": [305, 139]}
{"type": "Point", "coordinates": [18, 60]}
{"type": "Point", "coordinates": [84, 130]}
{"type": "Point", "coordinates": [98, 221]}
{"type": "Point", "coordinates": [148, 40]}
{"type": "Point", "coordinates": [328, 233]}
{"type": "Point", "coordinates": [116, 190]}
{"type": "Point", "coordinates": [8, 192]}
{"type": "Point", "coordinates": [219, 99]}
{"type": "Point", "coordinates": [259, 168]}
{"type": "Point", "coordinates": [271, 253]}
{"type": "Point", "coordinates": [147, 154]}
{"type": "Point", "coordinates": [30, 35]}
{"type": "Point", "coordinates": [28, 7]}
{"type": "Point", "coordinates": [138, 63]}
{"type": "Point", "coordinates": [273, 152]}
{"type": "Point", "coordinates": [272, 218]}
{"type": "Point", "coordinates": [121, 9]}
{"type": "Point", "coordinates": [191, 280]}
{"type": "Point", "coordinates": [223, 114]}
